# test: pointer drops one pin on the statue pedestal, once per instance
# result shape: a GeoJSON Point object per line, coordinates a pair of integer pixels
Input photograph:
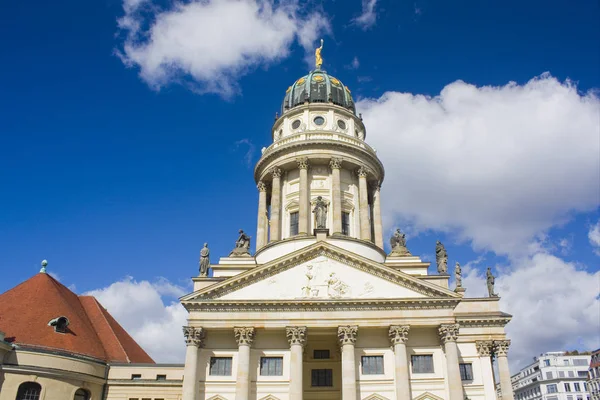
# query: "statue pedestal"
{"type": "Point", "coordinates": [460, 290]}
{"type": "Point", "coordinates": [321, 233]}
{"type": "Point", "coordinates": [200, 282]}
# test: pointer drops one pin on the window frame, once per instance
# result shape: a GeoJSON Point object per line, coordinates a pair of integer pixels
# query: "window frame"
{"type": "Point", "coordinates": [321, 352]}
{"type": "Point", "coordinates": [278, 369]}
{"type": "Point", "coordinates": [218, 358]}
{"type": "Point", "coordinates": [23, 389]}
{"type": "Point", "coordinates": [412, 363]}
{"type": "Point", "coordinates": [467, 367]}
{"type": "Point", "coordinates": [294, 222]}
{"type": "Point", "coordinates": [554, 387]}
{"type": "Point", "coordinates": [327, 377]}
{"type": "Point", "coordinates": [377, 364]}
{"type": "Point", "coordinates": [346, 223]}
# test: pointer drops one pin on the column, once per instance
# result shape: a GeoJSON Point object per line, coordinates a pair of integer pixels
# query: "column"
{"type": "Point", "coordinates": [501, 352]}
{"type": "Point", "coordinates": [484, 349]}
{"type": "Point", "coordinates": [296, 336]}
{"type": "Point", "coordinates": [336, 194]}
{"type": "Point", "coordinates": [398, 336]}
{"type": "Point", "coordinates": [276, 205]}
{"type": "Point", "coordinates": [261, 223]}
{"type": "Point", "coordinates": [363, 199]}
{"type": "Point", "coordinates": [194, 338]}
{"type": "Point", "coordinates": [244, 337]}
{"type": "Point", "coordinates": [347, 337]}
{"type": "Point", "coordinates": [449, 335]}
{"type": "Point", "coordinates": [303, 225]}
{"type": "Point", "coordinates": [378, 226]}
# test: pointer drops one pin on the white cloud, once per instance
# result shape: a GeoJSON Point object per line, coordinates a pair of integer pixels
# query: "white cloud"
{"type": "Point", "coordinates": [141, 309]}
{"type": "Point", "coordinates": [354, 64]}
{"type": "Point", "coordinates": [594, 237]}
{"type": "Point", "coordinates": [493, 165]}
{"type": "Point", "coordinates": [555, 305]}
{"type": "Point", "coordinates": [207, 45]}
{"type": "Point", "coordinates": [368, 17]}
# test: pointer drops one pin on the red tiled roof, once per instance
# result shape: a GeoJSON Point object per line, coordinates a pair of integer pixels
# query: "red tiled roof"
{"type": "Point", "coordinates": [26, 309]}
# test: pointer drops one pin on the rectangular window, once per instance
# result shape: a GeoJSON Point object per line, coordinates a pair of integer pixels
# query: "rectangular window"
{"type": "Point", "coordinates": [579, 361]}
{"type": "Point", "coordinates": [321, 354]}
{"type": "Point", "coordinates": [220, 366]}
{"type": "Point", "coordinates": [566, 362]}
{"type": "Point", "coordinates": [547, 363]}
{"type": "Point", "coordinates": [577, 387]}
{"type": "Point", "coordinates": [135, 377]}
{"type": "Point", "coordinates": [567, 387]}
{"type": "Point", "coordinates": [271, 366]}
{"type": "Point", "coordinates": [571, 374]}
{"type": "Point", "coordinates": [561, 374]}
{"type": "Point", "coordinates": [372, 365]}
{"type": "Point", "coordinates": [161, 377]}
{"type": "Point", "coordinates": [582, 374]}
{"type": "Point", "coordinates": [466, 371]}
{"type": "Point", "coordinates": [422, 364]}
{"type": "Point", "coordinates": [294, 223]}
{"type": "Point", "coordinates": [346, 223]}
{"type": "Point", "coordinates": [569, 397]}
{"type": "Point", "coordinates": [322, 378]}
{"type": "Point", "coordinates": [549, 375]}
{"type": "Point", "coordinates": [551, 388]}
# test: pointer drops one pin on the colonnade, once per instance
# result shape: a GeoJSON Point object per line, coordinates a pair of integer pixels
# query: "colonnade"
{"type": "Point", "coordinates": [347, 336]}
{"type": "Point", "coordinates": [269, 229]}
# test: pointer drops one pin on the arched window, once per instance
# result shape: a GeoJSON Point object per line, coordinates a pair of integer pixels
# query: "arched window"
{"type": "Point", "coordinates": [82, 394]}
{"type": "Point", "coordinates": [29, 391]}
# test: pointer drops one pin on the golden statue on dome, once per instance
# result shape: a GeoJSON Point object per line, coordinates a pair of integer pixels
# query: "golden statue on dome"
{"type": "Point", "coordinates": [318, 58]}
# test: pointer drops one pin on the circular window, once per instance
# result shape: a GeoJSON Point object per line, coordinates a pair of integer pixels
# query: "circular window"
{"type": "Point", "coordinates": [319, 120]}
{"type": "Point", "coordinates": [296, 124]}
{"type": "Point", "coordinates": [341, 124]}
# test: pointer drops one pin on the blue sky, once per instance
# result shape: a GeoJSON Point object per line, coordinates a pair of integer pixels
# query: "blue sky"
{"type": "Point", "coordinates": [108, 173]}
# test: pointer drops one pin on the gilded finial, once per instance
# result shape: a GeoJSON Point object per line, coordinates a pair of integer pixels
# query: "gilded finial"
{"type": "Point", "coordinates": [318, 58]}
{"type": "Point", "coordinates": [44, 264]}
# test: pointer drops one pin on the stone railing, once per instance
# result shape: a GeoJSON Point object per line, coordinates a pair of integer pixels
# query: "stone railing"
{"type": "Point", "coordinates": [309, 136]}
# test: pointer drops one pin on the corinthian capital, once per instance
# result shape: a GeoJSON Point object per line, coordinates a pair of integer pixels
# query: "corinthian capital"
{"type": "Point", "coordinates": [448, 332]}
{"type": "Point", "coordinates": [276, 172]}
{"type": "Point", "coordinates": [296, 335]}
{"type": "Point", "coordinates": [501, 347]}
{"type": "Point", "coordinates": [261, 186]}
{"type": "Point", "coordinates": [484, 348]}
{"type": "Point", "coordinates": [193, 336]}
{"type": "Point", "coordinates": [362, 172]}
{"type": "Point", "coordinates": [335, 163]}
{"type": "Point", "coordinates": [244, 335]}
{"type": "Point", "coordinates": [302, 162]}
{"type": "Point", "coordinates": [399, 334]}
{"type": "Point", "coordinates": [347, 334]}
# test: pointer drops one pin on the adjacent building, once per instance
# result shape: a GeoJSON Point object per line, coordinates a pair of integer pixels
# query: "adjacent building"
{"type": "Point", "coordinates": [593, 382]}
{"type": "Point", "coordinates": [553, 376]}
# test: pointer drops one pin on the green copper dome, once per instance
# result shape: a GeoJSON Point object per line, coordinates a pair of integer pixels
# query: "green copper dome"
{"type": "Point", "coordinates": [318, 87]}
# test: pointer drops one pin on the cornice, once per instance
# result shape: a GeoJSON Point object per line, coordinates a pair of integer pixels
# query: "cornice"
{"type": "Point", "coordinates": [322, 305]}
{"type": "Point", "coordinates": [474, 321]}
{"type": "Point", "coordinates": [311, 252]}
{"type": "Point", "coordinates": [321, 144]}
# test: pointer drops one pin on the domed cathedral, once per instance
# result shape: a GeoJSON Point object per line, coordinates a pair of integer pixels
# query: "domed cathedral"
{"type": "Point", "coordinates": [318, 156]}
{"type": "Point", "coordinates": [320, 311]}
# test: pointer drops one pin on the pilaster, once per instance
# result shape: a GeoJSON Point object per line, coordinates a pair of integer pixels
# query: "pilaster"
{"type": "Point", "coordinates": [377, 223]}
{"type": "Point", "coordinates": [194, 340]}
{"type": "Point", "coordinates": [296, 336]}
{"type": "Point", "coordinates": [336, 194]}
{"type": "Point", "coordinates": [449, 336]}
{"type": "Point", "coordinates": [303, 212]}
{"type": "Point", "coordinates": [501, 352]}
{"type": "Point", "coordinates": [363, 199]}
{"type": "Point", "coordinates": [398, 336]}
{"type": "Point", "coordinates": [275, 224]}
{"type": "Point", "coordinates": [347, 337]}
{"type": "Point", "coordinates": [244, 337]}
{"type": "Point", "coordinates": [261, 224]}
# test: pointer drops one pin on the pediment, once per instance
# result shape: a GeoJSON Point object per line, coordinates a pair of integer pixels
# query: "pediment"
{"type": "Point", "coordinates": [428, 396]}
{"type": "Point", "coordinates": [321, 272]}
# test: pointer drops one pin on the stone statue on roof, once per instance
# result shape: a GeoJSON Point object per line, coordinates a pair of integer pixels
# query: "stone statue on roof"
{"type": "Point", "coordinates": [491, 280]}
{"type": "Point", "coordinates": [441, 258]}
{"type": "Point", "coordinates": [398, 244]}
{"type": "Point", "coordinates": [242, 246]}
{"type": "Point", "coordinates": [458, 275]}
{"type": "Point", "coordinates": [204, 260]}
